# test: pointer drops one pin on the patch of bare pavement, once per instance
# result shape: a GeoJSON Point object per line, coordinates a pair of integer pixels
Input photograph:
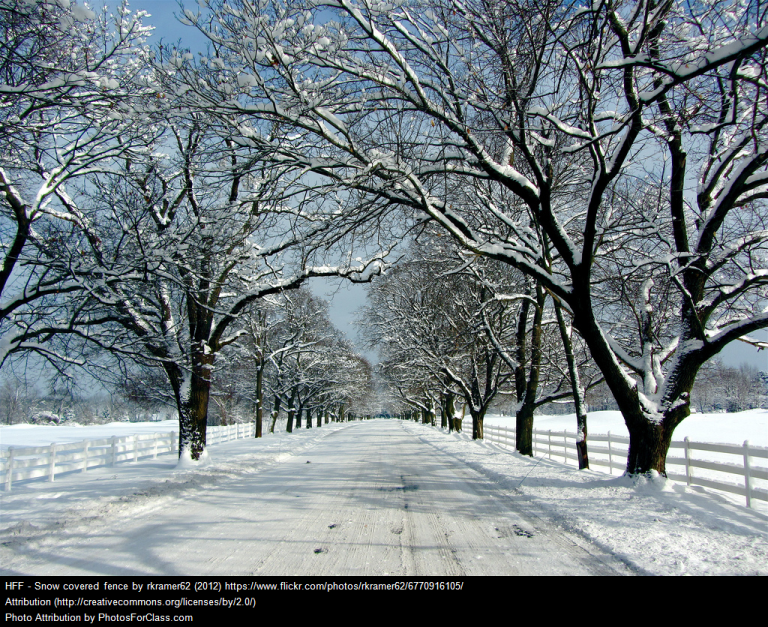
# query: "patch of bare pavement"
{"type": "Point", "coordinates": [369, 499]}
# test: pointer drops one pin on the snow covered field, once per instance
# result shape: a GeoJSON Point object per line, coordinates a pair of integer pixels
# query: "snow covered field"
{"type": "Point", "coordinates": [378, 497]}
{"type": "Point", "coordinates": [39, 435]}
{"type": "Point", "coordinates": [733, 428]}
{"type": "Point", "coordinates": [721, 429]}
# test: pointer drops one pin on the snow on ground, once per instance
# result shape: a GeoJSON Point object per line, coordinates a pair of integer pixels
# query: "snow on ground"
{"type": "Point", "coordinates": [40, 503]}
{"type": "Point", "coordinates": [732, 428]}
{"type": "Point", "coordinates": [653, 525]}
{"type": "Point", "coordinates": [44, 435]}
{"type": "Point", "coordinates": [36, 511]}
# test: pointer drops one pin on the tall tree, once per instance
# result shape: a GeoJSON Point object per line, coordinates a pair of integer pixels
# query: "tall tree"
{"type": "Point", "coordinates": [69, 108]}
{"type": "Point", "coordinates": [562, 106]}
{"type": "Point", "coordinates": [186, 243]}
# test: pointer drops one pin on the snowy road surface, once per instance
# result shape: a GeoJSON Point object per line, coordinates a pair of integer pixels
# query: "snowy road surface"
{"type": "Point", "coordinates": [368, 499]}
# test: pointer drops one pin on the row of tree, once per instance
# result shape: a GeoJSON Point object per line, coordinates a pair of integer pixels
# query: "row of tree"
{"type": "Point", "coordinates": [458, 335]}
{"type": "Point", "coordinates": [288, 357]}
{"type": "Point", "coordinates": [606, 162]}
{"type": "Point", "coordinates": [291, 358]}
{"type": "Point", "coordinates": [452, 328]}
{"type": "Point", "coordinates": [135, 233]}
{"type": "Point", "coordinates": [613, 153]}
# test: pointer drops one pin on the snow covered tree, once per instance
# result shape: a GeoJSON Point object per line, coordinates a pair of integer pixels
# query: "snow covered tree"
{"type": "Point", "coordinates": [440, 331]}
{"type": "Point", "coordinates": [247, 363]}
{"type": "Point", "coordinates": [564, 107]}
{"type": "Point", "coordinates": [68, 109]}
{"type": "Point", "coordinates": [186, 243]}
{"type": "Point", "coordinates": [312, 367]}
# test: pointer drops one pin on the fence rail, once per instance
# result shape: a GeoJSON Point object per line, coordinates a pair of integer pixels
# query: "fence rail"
{"type": "Point", "coordinates": [610, 451]}
{"type": "Point", "coordinates": [34, 462]}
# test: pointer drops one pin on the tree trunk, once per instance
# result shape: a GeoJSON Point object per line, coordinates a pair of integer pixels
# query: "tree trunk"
{"type": "Point", "coordinates": [578, 392]}
{"type": "Point", "coordinates": [648, 446]}
{"type": "Point", "coordinates": [458, 422]}
{"type": "Point", "coordinates": [477, 424]}
{"type": "Point", "coordinates": [524, 429]}
{"type": "Point", "coordinates": [193, 408]}
{"type": "Point", "coordinates": [259, 400]}
{"type": "Point", "coordinates": [291, 411]}
{"type": "Point", "coordinates": [275, 412]}
{"type": "Point", "coordinates": [524, 417]}
{"type": "Point", "coordinates": [450, 411]}
{"type": "Point", "coordinates": [443, 413]}
{"type": "Point", "coordinates": [581, 441]}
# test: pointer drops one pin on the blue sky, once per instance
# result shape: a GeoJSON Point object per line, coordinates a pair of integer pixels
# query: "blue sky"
{"type": "Point", "coordinates": [162, 17]}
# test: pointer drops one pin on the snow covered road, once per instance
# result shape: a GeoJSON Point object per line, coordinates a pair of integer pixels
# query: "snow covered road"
{"type": "Point", "coordinates": [365, 499]}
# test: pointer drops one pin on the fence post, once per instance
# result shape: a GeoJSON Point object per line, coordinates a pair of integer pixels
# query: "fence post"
{"type": "Point", "coordinates": [114, 450]}
{"type": "Point", "coordinates": [155, 439]}
{"type": "Point", "coordinates": [9, 470]}
{"type": "Point", "coordinates": [85, 455]}
{"type": "Point", "coordinates": [52, 463]}
{"type": "Point", "coordinates": [136, 449]}
{"type": "Point", "coordinates": [687, 460]}
{"type": "Point", "coordinates": [565, 446]}
{"type": "Point", "coordinates": [610, 455]}
{"type": "Point", "coordinates": [549, 436]}
{"type": "Point", "coordinates": [747, 482]}
{"type": "Point", "coordinates": [173, 441]}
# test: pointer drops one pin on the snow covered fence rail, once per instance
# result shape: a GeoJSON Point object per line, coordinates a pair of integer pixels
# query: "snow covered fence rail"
{"type": "Point", "coordinates": [237, 431]}
{"type": "Point", "coordinates": [33, 462]}
{"type": "Point", "coordinates": [610, 451]}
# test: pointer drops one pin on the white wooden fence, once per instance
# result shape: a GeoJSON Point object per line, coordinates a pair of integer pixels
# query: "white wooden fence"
{"type": "Point", "coordinates": [610, 451]}
{"type": "Point", "coordinates": [34, 462]}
